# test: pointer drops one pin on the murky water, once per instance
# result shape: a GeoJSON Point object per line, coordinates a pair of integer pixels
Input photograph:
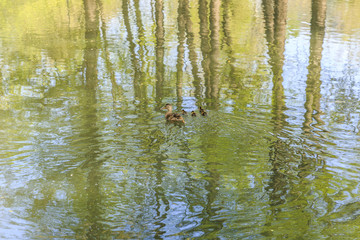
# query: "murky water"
{"type": "Point", "coordinates": [85, 152]}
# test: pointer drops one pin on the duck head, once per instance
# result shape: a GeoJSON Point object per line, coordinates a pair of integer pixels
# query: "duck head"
{"type": "Point", "coordinates": [167, 107]}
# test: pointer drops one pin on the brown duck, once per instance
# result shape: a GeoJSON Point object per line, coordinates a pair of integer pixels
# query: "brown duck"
{"type": "Point", "coordinates": [202, 111]}
{"type": "Point", "coordinates": [172, 117]}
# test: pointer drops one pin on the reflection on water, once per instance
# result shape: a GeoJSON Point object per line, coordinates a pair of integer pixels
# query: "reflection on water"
{"type": "Point", "coordinates": [85, 152]}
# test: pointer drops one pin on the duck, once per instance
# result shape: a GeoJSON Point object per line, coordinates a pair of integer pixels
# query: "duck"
{"type": "Point", "coordinates": [202, 111]}
{"type": "Point", "coordinates": [183, 112]}
{"type": "Point", "coordinates": [193, 113]}
{"type": "Point", "coordinates": [172, 117]}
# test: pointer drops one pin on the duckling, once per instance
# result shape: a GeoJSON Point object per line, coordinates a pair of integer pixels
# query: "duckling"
{"type": "Point", "coordinates": [172, 117]}
{"type": "Point", "coordinates": [202, 111]}
{"type": "Point", "coordinates": [193, 113]}
{"type": "Point", "coordinates": [183, 112]}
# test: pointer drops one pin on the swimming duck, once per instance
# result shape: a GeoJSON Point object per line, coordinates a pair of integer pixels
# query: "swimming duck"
{"type": "Point", "coordinates": [193, 113]}
{"type": "Point", "coordinates": [202, 111]}
{"type": "Point", "coordinates": [172, 117]}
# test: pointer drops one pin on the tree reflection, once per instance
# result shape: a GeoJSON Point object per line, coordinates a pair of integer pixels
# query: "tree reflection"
{"type": "Point", "coordinates": [138, 80]}
{"type": "Point", "coordinates": [159, 55]}
{"type": "Point", "coordinates": [192, 49]}
{"type": "Point", "coordinates": [210, 48]}
{"type": "Point", "coordinates": [116, 90]}
{"type": "Point", "coordinates": [1, 85]}
{"type": "Point", "coordinates": [209, 225]}
{"type": "Point", "coordinates": [160, 198]}
{"type": "Point", "coordinates": [180, 55]}
{"type": "Point", "coordinates": [159, 51]}
{"type": "Point", "coordinates": [275, 13]}
{"type": "Point", "coordinates": [209, 162]}
{"type": "Point", "coordinates": [282, 152]}
{"type": "Point", "coordinates": [313, 83]}
{"type": "Point", "coordinates": [140, 28]}
{"type": "Point", "coordinates": [91, 51]}
{"type": "Point", "coordinates": [228, 42]}
{"type": "Point", "coordinates": [185, 28]}
{"type": "Point", "coordinates": [205, 43]}
{"type": "Point", "coordinates": [89, 115]}
{"type": "Point", "coordinates": [226, 22]}
{"type": "Point", "coordinates": [212, 90]}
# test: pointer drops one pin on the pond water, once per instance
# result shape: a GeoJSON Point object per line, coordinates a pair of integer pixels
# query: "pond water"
{"type": "Point", "coordinates": [86, 153]}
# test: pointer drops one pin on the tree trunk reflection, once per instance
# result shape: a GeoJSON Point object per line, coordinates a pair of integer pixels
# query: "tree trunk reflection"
{"type": "Point", "coordinates": [90, 129]}
{"type": "Point", "coordinates": [205, 44]}
{"type": "Point", "coordinates": [213, 88]}
{"type": "Point", "coordinates": [138, 76]}
{"type": "Point", "coordinates": [116, 90]}
{"type": "Point", "coordinates": [192, 50]}
{"type": "Point", "coordinates": [180, 55]}
{"type": "Point", "coordinates": [275, 14]}
{"type": "Point", "coordinates": [159, 55]}
{"type": "Point", "coordinates": [313, 83]}
{"type": "Point", "coordinates": [159, 51]}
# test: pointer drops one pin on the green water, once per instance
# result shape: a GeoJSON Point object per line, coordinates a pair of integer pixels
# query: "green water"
{"type": "Point", "coordinates": [85, 152]}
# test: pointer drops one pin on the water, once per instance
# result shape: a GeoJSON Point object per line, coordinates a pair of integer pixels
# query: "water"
{"type": "Point", "coordinates": [85, 152]}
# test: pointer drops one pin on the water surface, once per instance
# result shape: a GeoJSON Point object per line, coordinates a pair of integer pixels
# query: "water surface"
{"type": "Point", "coordinates": [85, 152]}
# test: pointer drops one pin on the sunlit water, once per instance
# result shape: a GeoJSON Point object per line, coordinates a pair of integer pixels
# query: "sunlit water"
{"type": "Point", "coordinates": [85, 152]}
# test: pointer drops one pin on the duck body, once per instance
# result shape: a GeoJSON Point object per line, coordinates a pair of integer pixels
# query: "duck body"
{"type": "Point", "coordinates": [172, 117]}
{"type": "Point", "coordinates": [202, 111]}
{"type": "Point", "coordinates": [193, 114]}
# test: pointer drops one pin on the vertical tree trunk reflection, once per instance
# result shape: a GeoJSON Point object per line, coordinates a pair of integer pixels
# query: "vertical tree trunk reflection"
{"type": "Point", "coordinates": [139, 90]}
{"type": "Point", "coordinates": [276, 53]}
{"type": "Point", "coordinates": [192, 50]}
{"type": "Point", "coordinates": [1, 85]}
{"type": "Point", "coordinates": [116, 90]}
{"type": "Point", "coordinates": [92, 34]}
{"type": "Point", "coordinates": [159, 51]}
{"type": "Point", "coordinates": [215, 23]}
{"type": "Point", "coordinates": [210, 48]}
{"type": "Point", "coordinates": [226, 22]}
{"type": "Point", "coordinates": [159, 54]}
{"type": "Point", "coordinates": [275, 14]}
{"type": "Point", "coordinates": [205, 44]}
{"type": "Point", "coordinates": [268, 11]}
{"type": "Point", "coordinates": [139, 78]}
{"type": "Point", "coordinates": [140, 28]}
{"type": "Point", "coordinates": [234, 85]}
{"type": "Point", "coordinates": [313, 83]}
{"type": "Point", "coordinates": [180, 50]}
